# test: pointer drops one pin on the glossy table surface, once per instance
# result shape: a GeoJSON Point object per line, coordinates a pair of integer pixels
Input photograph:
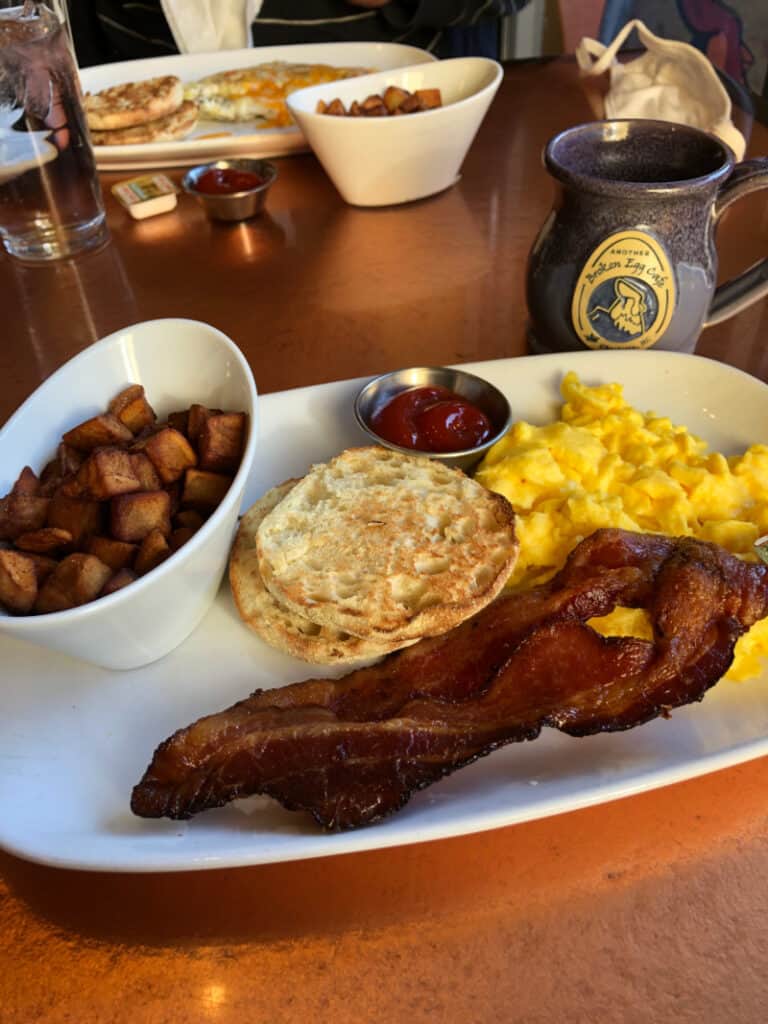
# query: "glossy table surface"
{"type": "Point", "coordinates": [652, 908]}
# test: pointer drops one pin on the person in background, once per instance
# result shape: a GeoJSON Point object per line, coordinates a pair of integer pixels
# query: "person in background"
{"type": "Point", "coordinates": [109, 30]}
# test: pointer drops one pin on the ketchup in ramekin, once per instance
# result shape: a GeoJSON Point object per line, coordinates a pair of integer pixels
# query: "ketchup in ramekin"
{"type": "Point", "coordinates": [225, 181]}
{"type": "Point", "coordinates": [432, 419]}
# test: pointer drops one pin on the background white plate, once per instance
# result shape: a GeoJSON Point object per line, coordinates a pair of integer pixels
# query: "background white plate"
{"type": "Point", "coordinates": [74, 739]}
{"type": "Point", "coordinates": [242, 138]}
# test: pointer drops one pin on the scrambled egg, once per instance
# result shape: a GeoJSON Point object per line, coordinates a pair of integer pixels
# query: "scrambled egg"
{"type": "Point", "coordinates": [243, 94]}
{"type": "Point", "coordinates": [603, 463]}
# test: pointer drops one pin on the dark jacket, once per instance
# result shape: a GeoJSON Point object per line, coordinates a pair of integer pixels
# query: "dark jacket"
{"type": "Point", "coordinates": [108, 30]}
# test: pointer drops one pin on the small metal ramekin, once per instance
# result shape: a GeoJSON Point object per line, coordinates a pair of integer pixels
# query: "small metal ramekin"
{"type": "Point", "coordinates": [479, 392]}
{"type": "Point", "coordinates": [232, 206]}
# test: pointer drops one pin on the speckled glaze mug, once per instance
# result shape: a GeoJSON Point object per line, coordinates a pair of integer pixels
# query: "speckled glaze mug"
{"type": "Point", "coordinates": [627, 258]}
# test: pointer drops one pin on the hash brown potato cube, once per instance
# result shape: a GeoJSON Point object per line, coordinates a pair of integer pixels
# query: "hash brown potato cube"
{"type": "Point", "coordinates": [98, 432]}
{"type": "Point", "coordinates": [121, 579]}
{"type": "Point", "coordinates": [44, 565]}
{"type": "Point", "coordinates": [76, 580]}
{"type": "Point", "coordinates": [189, 518]}
{"type": "Point", "coordinates": [221, 440]}
{"type": "Point", "coordinates": [18, 582]}
{"type": "Point", "coordinates": [428, 98]}
{"type": "Point", "coordinates": [180, 421]}
{"type": "Point", "coordinates": [107, 472]}
{"type": "Point", "coordinates": [81, 517]}
{"type": "Point", "coordinates": [117, 554]}
{"type": "Point", "coordinates": [408, 106]}
{"type": "Point", "coordinates": [154, 550]}
{"type": "Point", "coordinates": [203, 489]}
{"type": "Point", "coordinates": [132, 408]}
{"type": "Point", "coordinates": [133, 516]}
{"type": "Point", "coordinates": [196, 417]}
{"type": "Point", "coordinates": [393, 97]}
{"type": "Point", "coordinates": [170, 453]}
{"type": "Point", "coordinates": [20, 513]}
{"type": "Point", "coordinates": [27, 482]}
{"type": "Point", "coordinates": [180, 536]}
{"type": "Point", "coordinates": [44, 540]}
{"type": "Point", "coordinates": [145, 472]}
{"type": "Point", "coordinates": [63, 465]}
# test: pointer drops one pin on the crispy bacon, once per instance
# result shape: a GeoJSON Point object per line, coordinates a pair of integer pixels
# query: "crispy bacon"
{"type": "Point", "coordinates": [353, 750]}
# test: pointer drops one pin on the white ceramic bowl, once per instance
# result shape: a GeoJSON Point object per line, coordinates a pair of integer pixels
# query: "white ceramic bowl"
{"type": "Point", "coordinates": [178, 362]}
{"type": "Point", "coordinates": [377, 161]}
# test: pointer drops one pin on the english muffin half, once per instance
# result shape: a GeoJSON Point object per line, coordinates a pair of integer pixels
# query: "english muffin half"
{"type": "Point", "coordinates": [132, 103]}
{"type": "Point", "coordinates": [274, 623]}
{"type": "Point", "coordinates": [164, 129]}
{"type": "Point", "coordinates": [387, 546]}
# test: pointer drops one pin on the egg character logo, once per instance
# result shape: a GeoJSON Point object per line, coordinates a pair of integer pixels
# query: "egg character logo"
{"type": "Point", "coordinates": [625, 294]}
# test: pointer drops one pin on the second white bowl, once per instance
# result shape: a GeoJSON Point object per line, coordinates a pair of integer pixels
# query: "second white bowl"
{"type": "Point", "coordinates": [378, 161]}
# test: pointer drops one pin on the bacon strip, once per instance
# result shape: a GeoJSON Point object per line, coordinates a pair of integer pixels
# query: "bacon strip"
{"type": "Point", "coordinates": [353, 750]}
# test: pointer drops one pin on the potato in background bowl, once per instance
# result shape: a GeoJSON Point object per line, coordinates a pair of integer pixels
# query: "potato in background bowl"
{"type": "Point", "coordinates": [378, 161]}
{"type": "Point", "coordinates": [179, 362]}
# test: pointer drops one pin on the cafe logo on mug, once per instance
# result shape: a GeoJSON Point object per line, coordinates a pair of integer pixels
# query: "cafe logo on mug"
{"type": "Point", "coordinates": [625, 295]}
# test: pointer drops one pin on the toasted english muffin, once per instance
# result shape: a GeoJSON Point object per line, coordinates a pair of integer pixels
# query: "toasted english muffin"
{"type": "Point", "coordinates": [244, 94]}
{"type": "Point", "coordinates": [274, 623]}
{"type": "Point", "coordinates": [131, 103]}
{"type": "Point", "coordinates": [164, 129]}
{"type": "Point", "coordinates": [387, 546]}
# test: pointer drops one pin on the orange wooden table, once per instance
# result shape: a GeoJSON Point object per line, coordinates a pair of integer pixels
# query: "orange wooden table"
{"type": "Point", "coordinates": [651, 908]}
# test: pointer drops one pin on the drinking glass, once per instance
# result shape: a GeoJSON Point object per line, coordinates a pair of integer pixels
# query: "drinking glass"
{"type": "Point", "coordinates": [50, 200]}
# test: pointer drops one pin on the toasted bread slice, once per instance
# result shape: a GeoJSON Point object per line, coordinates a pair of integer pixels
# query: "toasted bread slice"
{"type": "Point", "coordinates": [132, 103]}
{"type": "Point", "coordinates": [274, 623]}
{"type": "Point", "coordinates": [164, 129]}
{"type": "Point", "coordinates": [387, 546]}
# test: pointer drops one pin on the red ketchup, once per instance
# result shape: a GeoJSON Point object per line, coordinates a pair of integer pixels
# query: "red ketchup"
{"type": "Point", "coordinates": [432, 419]}
{"type": "Point", "coordinates": [223, 181]}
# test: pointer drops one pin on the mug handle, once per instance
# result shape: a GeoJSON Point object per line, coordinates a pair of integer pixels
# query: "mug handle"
{"type": "Point", "coordinates": [735, 295]}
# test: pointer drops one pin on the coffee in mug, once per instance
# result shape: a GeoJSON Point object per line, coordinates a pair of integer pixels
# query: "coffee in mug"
{"type": "Point", "coordinates": [627, 258]}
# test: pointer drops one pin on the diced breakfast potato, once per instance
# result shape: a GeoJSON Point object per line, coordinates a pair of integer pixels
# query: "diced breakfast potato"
{"type": "Point", "coordinates": [393, 102]}
{"type": "Point", "coordinates": [27, 482]}
{"type": "Point", "coordinates": [43, 565]}
{"type": "Point", "coordinates": [44, 540]}
{"type": "Point", "coordinates": [393, 97]}
{"type": "Point", "coordinates": [132, 408]}
{"type": "Point", "coordinates": [105, 473]}
{"type": "Point", "coordinates": [119, 580]}
{"type": "Point", "coordinates": [221, 442]}
{"type": "Point", "coordinates": [428, 98]}
{"type": "Point", "coordinates": [180, 536]}
{"type": "Point", "coordinates": [154, 550]}
{"type": "Point", "coordinates": [76, 580]}
{"type": "Point", "coordinates": [170, 453]}
{"type": "Point", "coordinates": [18, 582]}
{"type": "Point", "coordinates": [189, 518]}
{"type": "Point", "coordinates": [198, 414]}
{"type": "Point", "coordinates": [20, 513]}
{"type": "Point", "coordinates": [180, 421]}
{"type": "Point", "coordinates": [203, 489]}
{"type": "Point", "coordinates": [122, 493]}
{"type": "Point", "coordinates": [133, 516]}
{"type": "Point", "coordinates": [117, 554]}
{"type": "Point", "coordinates": [98, 432]}
{"type": "Point", "coordinates": [145, 472]}
{"type": "Point", "coordinates": [80, 517]}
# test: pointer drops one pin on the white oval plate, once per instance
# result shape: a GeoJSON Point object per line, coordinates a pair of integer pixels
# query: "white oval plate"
{"type": "Point", "coordinates": [74, 739]}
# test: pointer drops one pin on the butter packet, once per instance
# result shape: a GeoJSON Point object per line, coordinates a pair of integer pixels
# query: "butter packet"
{"type": "Point", "coordinates": [145, 196]}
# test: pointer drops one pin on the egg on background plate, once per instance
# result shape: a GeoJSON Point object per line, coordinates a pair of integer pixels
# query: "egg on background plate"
{"type": "Point", "coordinates": [604, 463]}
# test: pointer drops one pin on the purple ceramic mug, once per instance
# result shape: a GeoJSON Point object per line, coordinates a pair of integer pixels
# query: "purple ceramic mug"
{"type": "Point", "coordinates": [627, 257]}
